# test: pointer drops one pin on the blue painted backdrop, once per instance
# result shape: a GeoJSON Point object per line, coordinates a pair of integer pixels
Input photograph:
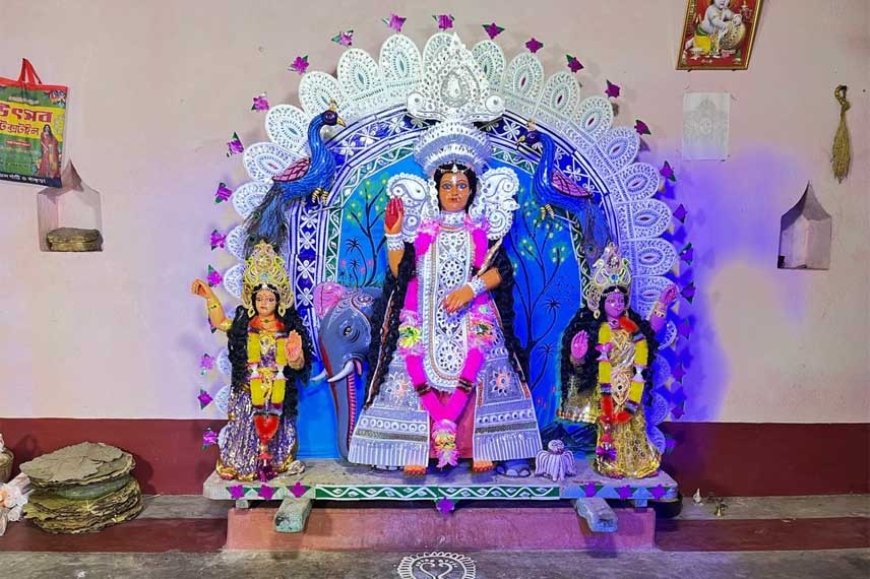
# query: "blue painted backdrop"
{"type": "Point", "coordinates": [546, 294]}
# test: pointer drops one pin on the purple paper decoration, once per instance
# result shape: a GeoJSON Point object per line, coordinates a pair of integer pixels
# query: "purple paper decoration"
{"type": "Point", "coordinates": [685, 328]}
{"type": "Point", "coordinates": [679, 397]}
{"type": "Point", "coordinates": [678, 411]}
{"type": "Point", "coordinates": [395, 22]}
{"type": "Point", "coordinates": [641, 127]}
{"type": "Point", "coordinates": [298, 489]}
{"type": "Point", "coordinates": [236, 492]}
{"type": "Point", "coordinates": [445, 21]}
{"type": "Point", "coordinates": [214, 277]}
{"type": "Point", "coordinates": [658, 492]}
{"type": "Point", "coordinates": [266, 492]}
{"type": "Point", "coordinates": [574, 65]}
{"type": "Point", "coordinates": [344, 38]}
{"type": "Point", "coordinates": [688, 254]}
{"type": "Point", "coordinates": [204, 399]}
{"type": "Point", "coordinates": [222, 193]}
{"type": "Point", "coordinates": [234, 145]}
{"type": "Point", "coordinates": [534, 45]}
{"type": "Point", "coordinates": [217, 239]}
{"type": "Point", "coordinates": [209, 438]}
{"type": "Point", "coordinates": [299, 65]}
{"type": "Point", "coordinates": [624, 492]}
{"type": "Point", "coordinates": [689, 292]}
{"type": "Point", "coordinates": [668, 172]}
{"type": "Point", "coordinates": [591, 489]}
{"type": "Point", "coordinates": [681, 213]}
{"type": "Point", "coordinates": [678, 372]}
{"type": "Point", "coordinates": [261, 103]}
{"type": "Point", "coordinates": [612, 90]}
{"type": "Point", "coordinates": [493, 30]}
{"type": "Point", "coordinates": [206, 363]}
{"type": "Point", "coordinates": [445, 505]}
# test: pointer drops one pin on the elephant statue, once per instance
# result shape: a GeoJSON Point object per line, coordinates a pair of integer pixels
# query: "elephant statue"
{"type": "Point", "coordinates": [344, 337]}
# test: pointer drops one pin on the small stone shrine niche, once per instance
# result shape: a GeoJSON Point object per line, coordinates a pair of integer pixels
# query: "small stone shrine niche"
{"type": "Point", "coordinates": [805, 235]}
{"type": "Point", "coordinates": [69, 218]}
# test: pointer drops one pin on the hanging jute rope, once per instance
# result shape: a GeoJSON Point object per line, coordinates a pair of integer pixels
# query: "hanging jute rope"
{"type": "Point", "coordinates": [841, 153]}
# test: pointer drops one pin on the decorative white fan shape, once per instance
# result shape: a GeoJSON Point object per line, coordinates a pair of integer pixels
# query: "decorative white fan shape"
{"type": "Point", "coordinates": [365, 86]}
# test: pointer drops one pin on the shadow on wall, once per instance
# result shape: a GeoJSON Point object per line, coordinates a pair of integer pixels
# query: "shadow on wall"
{"type": "Point", "coordinates": [734, 214]}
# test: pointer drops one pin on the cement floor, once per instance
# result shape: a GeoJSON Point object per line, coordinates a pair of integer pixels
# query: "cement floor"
{"type": "Point", "coordinates": [844, 564]}
{"type": "Point", "coordinates": [679, 561]}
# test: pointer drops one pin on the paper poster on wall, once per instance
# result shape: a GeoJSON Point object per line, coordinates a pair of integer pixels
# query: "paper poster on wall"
{"type": "Point", "coordinates": [32, 119]}
{"type": "Point", "coordinates": [706, 117]}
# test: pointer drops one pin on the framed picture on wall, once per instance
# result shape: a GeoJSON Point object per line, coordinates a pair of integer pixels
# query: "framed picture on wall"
{"type": "Point", "coordinates": [718, 34]}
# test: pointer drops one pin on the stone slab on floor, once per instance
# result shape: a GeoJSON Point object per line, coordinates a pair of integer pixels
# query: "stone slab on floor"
{"type": "Point", "coordinates": [183, 507]}
{"type": "Point", "coordinates": [472, 529]}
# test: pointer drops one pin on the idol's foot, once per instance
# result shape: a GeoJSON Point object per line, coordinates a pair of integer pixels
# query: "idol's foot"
{"type": "Point", "coordinates": [479, 466]}
{"type": "Point", "coordinates": [414, 470]}
{"type": "Point", "coordinates": [291, 467]}
{"type": "Point", "coordinates": [514, 468]}
{"type": "Point", "coordinates": [225, 472]}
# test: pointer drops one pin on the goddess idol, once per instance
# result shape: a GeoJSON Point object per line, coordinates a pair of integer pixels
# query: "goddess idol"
{"type": "Point", "coordinates": [447, 381]}
{"type": "Point", "coordinates": [270, 351]}
{"type": "Point", "coordinates": [607, 353]}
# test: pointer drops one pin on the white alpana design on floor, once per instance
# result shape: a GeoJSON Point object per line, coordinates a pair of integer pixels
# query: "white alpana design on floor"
{"type": "Point", "coordinates": [437, 566]}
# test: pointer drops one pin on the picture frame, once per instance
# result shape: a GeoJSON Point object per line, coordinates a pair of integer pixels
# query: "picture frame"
{"type": "Point", "coordinates": [718, 34]}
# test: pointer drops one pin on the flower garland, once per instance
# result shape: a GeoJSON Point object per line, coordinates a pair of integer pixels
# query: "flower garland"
{"type": "Point", "coordinates": [609, 416]}
{"type": "Point", "coordinates": [481, 335]}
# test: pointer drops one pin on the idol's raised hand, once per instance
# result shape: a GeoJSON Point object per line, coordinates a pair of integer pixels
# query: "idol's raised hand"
{"type": "Point", "coordinates": [579, 346]}
{"type": "Point", "coordinates": [201, 289]}
{"type": "Point", "coordinates": [395, 213]}
{"type": "Point", "coordinates": [295, 357]}
{"type": "Point", "coordinates": [668, 295]}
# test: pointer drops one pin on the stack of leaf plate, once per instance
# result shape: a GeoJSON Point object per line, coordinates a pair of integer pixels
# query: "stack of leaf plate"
{"type": "Point", "coordinates": [82, 488]}
{"type": "Point", "coordinates": [73, 239]}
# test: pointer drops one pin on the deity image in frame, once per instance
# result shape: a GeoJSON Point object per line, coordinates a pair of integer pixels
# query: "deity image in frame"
{"type": "Point", "coordinates": [718, 34]}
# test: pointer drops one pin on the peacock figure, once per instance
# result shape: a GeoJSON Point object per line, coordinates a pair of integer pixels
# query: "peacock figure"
{"type": "Point", "coordinates": [310, 176]}
{"type": "Point", "coordinates": [554, 188]}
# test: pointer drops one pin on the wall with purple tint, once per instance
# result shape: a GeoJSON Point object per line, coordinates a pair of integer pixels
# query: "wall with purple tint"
{"type": "Point", "coordinates": [116, 334]}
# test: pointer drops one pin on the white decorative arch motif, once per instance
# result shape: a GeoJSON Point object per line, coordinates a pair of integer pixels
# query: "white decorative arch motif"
{"type": "Point", "coordinates": [365, 87]}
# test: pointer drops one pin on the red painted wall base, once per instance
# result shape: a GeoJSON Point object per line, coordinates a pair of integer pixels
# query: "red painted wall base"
{"type": "Point", "coordinates": [726, 459]}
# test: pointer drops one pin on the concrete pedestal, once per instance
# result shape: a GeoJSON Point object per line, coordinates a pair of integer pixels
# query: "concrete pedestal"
{"type": "Point", "coordinates": [577, 516]}
{"type": "Point", "coordinates": [470, 529]}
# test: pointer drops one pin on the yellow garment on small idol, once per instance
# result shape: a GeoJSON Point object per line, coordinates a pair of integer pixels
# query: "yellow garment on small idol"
{"type": "Point", "coordinates": [641, 355]}
{"type": "Point", "coordinates": [270, 384]}
{"type": "Point", "coordinates": [604, 368]}
{"type": "Point", "coordinates": [636, 457]}
{"type": "Point", "coordinates": [635, 392]}
{"type": "Point", "coordinates": [641, 352]}
{"type": "Point", "coordinates": [274, 390]}
{"type": "Point", "coordinates": [604, 372]}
